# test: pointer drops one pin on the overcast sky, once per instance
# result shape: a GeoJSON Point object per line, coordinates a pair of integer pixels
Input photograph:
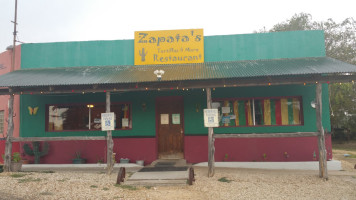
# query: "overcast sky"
{"type": "Point", "coordinates": [81, 20]}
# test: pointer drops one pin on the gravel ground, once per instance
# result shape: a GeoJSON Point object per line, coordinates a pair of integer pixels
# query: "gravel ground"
{"type": "Point", "coordinates": [241, 184]}
{"type": "Point", "coordinates": [226, 184]}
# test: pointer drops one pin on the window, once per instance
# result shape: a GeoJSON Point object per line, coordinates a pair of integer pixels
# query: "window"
{"type": "Point", "coordinates": [82, 117]}
{"type": "Point", "coordinates": [259, 112]}
{"type": "Point", "coordinates": [2, 121]}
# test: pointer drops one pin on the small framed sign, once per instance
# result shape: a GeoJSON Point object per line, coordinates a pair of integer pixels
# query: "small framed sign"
{"type": "Point", "coordinates": [211, 118]}
{"type": "Point", "coordinates": [164, 118]}
{"type": "Point", "coordinates": [176, 118]}
{"type": "Point", "coordinates": [107, 121]}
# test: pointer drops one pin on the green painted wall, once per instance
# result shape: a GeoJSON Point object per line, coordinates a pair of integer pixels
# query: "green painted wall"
{"type": "Point", "coordinates": [143, 122]}
{"type": "Point", "coordinates": [217, 48]}
{"type": "Point", "coordinates": [292, 44]}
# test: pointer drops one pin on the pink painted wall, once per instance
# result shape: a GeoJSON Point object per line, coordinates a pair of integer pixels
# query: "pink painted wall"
{"type": "Point", "coordinates": [247, 149]}
{"type": "Point", "coordinates": [15, 148]}
{"type": "Point", "coordinates": [5, 62]}
{"type": "Point", "coordinates": [62, 152]}
{"type": "Point", "coordinates": [196, 149]}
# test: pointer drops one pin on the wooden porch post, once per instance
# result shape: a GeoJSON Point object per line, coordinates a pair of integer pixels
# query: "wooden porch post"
{"type": "Point", "coordinates": [323, 171]}
{"type": "Point", "coordinates": [211, 148]}
{"type": "Point", "coordinates": [10, 129]}
{"type": "Point", "coordinates": [109, 141]}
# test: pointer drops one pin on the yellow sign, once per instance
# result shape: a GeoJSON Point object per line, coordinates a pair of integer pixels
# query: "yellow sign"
{"type": "Point", "coordinates": [169, 47]}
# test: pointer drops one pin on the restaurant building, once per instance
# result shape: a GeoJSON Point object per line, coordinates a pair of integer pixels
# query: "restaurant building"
{"type": "Point", "coordinates": [262, 84]}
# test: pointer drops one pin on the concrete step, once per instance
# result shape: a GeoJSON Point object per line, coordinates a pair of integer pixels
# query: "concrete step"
{"type": "Point", "coordinates": [158, 178]}
{"type": "Point", "coordinates": [156, 182]}
{"type": "Point", "coordinates": [170, 162]}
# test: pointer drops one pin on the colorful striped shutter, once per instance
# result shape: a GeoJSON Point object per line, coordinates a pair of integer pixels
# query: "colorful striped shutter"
{"type": "Point", "coordinates": [236, 113]}
{"type": "Point", "coordinates": [286, 111]}
{"type": "Point", "coordinates": [242, 116]}
{"type": "Point", "coordinates": [226, 104]}
{"type": "Point", "coordinates": [248, 113]}
{"type": "Point", "coordinates": [296, 111]}
{"type": "Point", "coordinates": [267, 115]}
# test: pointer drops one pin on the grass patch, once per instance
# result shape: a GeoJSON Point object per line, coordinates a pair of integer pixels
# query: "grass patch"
{"type": "Point", "coordinates": [128, 187]}
{"type": "Point", "coordinates": [353, 177]}
{"type": "Point", "coordinates": [348, 146]}
{"type": "Point", "coordinates": [102, 172]}
{"type": "Point", "coordinates": [47, 172]}
{"type": "Point", "coordinates": [129, 174]}
{"type": "Point", "coordinates": [30, 179]}
{"type": "Point", "coordinates": [148, 187]}
{"type": "Point", "coordinates": [94, 186]}
{"type": "Point", "coordinates": [224, 179]}
{"type": "Point", "coordinates": [351, 156]}
{"type": "Point", "coordinates": [17, 175]}
{"type": "Point", "coordinates": [62, 180]}
{"type": "Point", "coordinates": [46, 193]}
{"type": "Point", "coordinates": [105, 189]}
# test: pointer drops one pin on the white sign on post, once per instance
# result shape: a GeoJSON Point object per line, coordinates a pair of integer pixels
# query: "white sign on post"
{"type": "Point", "coordinates": [107, 121]}
{"type": "Point", "coordinates": [211, 118]}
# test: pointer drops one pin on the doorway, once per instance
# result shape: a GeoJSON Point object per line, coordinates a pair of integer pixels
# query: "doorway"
{"type": "Point", "coordinates": [170, 127]}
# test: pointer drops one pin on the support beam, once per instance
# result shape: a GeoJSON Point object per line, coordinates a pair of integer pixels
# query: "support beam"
{"type": "Point", "coordinates": [323, 171]}
{"type": "Point", "coordinates": [33, 139]}
{"type": "Point", "coordinates": [211, 147]}
{"type": "Point", "coordinates": [10, 130]}
{"type": "Point", "coordinates": [110, 143]}
{"type": "Point", "coordinates": [267, 135]}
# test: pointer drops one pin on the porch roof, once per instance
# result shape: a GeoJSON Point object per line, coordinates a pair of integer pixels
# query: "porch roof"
{"type": "Point", "coordinates": [236, 70]}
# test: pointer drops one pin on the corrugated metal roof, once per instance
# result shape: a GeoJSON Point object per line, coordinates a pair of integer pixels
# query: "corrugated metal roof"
{"type": "Point", "coordinates": [178, 72]}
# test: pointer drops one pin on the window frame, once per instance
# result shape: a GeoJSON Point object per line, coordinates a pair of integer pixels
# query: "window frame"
{"type": "Point", "coordinates": [254, 113]}
{"type": "Point", "coordinates": [81, 104]}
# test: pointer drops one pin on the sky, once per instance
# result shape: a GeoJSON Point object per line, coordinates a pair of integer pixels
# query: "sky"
{"type": "Point", "coordinates": [42, 21]}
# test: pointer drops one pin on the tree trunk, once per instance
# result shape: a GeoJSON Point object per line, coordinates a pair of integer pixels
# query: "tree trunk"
{"type": "Point", "coordinates": [10, 130]}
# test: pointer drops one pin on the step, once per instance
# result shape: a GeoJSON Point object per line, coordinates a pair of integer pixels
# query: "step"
{"type": "Point", "coordinates": [156, 182]}
{"type": "Point", "coordinates": [170, 162]}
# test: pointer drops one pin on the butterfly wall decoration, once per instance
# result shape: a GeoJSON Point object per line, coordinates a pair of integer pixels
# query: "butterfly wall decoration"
{"type": "Point", "coordinates": [32, 111]}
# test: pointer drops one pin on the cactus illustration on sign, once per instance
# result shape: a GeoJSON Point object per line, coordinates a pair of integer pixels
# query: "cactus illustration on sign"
{"type": "Point", "coordinates": [143, 54]}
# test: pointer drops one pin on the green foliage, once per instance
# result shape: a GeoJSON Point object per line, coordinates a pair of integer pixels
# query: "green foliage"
{"type": "Point", "coordinates": [16, 157]}
{"type": "Point", "coordinates": [264, 155]}
{"type": "Point", "coordinates": [17, 175]}
{"type": "Point", "coordinates": [224, 179]}
{"type": "Point", "coordinates": [47, 172]}
{"type": "Point", "coordinates": [340, 43]}
{"type": "Point", "coordinates": [35, 151]}
{"type": "Point", "coordinates": [128, 187]}
{"type": "Point", "coordinates": [78, 155]}
{"type": "Point", "coordinates": [352, 156]}
{"type": "Point", "coordinates": [46, 193]}
{"type": "Point", "coordinates": [105, 189]}
{"type": "Point", "coordinates": [94, 186]}
{"type": "Point", "coordinates": [29, 179]}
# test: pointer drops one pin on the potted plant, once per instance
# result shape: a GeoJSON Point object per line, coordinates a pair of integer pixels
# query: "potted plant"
{"type": "Point", "coordinates": [16, 162]}
{"type": "Point", "coordinates": [124, 160]}
{"type": "Point", "coordinates": [140, 162]}
{"type": "Point", "coordinates": [78, 159]}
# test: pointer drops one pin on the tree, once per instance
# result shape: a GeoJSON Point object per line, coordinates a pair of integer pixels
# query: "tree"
{"type": "Point", "coordinates": [340, 43]}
